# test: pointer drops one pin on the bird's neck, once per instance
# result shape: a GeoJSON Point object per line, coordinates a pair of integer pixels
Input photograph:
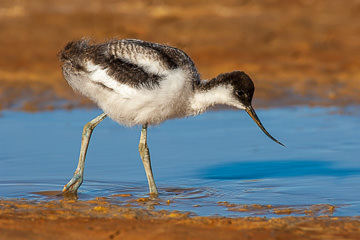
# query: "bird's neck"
{"type": "Point", "coordinates": [209, 94]}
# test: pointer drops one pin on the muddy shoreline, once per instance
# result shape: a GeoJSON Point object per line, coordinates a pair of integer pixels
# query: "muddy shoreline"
{"type": "Point", "coordinates": [98, 219]}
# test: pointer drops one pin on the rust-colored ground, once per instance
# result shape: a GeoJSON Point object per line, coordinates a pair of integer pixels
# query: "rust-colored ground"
{"type": "Point", "coordinates": [98, 219]}
{"type": "Point", "coordinates": [297, 52]}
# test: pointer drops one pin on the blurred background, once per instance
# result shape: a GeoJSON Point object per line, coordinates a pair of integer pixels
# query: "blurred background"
{"type": "Point", "coordinates": [297, 52]}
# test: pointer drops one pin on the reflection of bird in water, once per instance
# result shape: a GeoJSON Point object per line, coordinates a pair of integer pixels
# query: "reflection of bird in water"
{"type": "Point", "coordinates": [141, 83]}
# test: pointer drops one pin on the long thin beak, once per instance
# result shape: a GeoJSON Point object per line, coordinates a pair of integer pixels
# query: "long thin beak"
{"type": "Point", "coordinates": [250, 110]}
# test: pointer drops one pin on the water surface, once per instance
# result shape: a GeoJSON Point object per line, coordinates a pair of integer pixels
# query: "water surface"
{"type": "Point", "coordinates": [198, 163]}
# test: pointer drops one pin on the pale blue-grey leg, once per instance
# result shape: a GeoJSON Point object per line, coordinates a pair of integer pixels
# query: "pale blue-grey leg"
{"type": "Point", "coordinates": [145, 157]}
{"type": "Point", "coordinates": [73, 185]}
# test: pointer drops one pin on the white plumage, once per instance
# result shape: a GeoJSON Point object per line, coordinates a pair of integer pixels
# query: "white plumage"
{"type": "Point", "coordinates": [136, 106]}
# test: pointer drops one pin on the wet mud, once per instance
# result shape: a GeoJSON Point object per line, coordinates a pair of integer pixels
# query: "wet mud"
{"type": "Point", "coordinates": [99, 219]}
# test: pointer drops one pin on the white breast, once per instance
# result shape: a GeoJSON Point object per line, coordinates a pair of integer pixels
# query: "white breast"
{"type": "Point", "coordinates": [131, 106]}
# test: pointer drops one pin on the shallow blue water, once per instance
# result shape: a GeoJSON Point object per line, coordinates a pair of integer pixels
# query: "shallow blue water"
{"type": "Point", "coordinates": [199, 161]}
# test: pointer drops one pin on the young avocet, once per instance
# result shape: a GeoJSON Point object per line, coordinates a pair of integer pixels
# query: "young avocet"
{"type": "Point", "coordinates": [142, 83]}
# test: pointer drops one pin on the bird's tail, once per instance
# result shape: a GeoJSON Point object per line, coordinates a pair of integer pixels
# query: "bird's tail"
{"type": "Point", "coordinates": [73, 50]}
{"type": "Point", "coordinates": [74, 53]}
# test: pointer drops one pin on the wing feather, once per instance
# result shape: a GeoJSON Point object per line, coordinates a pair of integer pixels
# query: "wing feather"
{"type": "Point", "coordinates": [133, 62]}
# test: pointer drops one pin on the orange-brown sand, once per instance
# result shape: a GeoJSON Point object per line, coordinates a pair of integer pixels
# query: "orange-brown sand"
{"type": "Point", "coordinates": [297, 52]}
{"type": "Point", "coordinates": [98, 219]}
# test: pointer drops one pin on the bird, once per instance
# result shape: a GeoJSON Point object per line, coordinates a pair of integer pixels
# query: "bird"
{"type": "Point", "coordinates": [143, 83]}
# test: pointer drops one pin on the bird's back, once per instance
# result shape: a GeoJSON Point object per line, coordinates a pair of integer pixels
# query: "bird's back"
{"type": "Point", "coordinates": [127, 57]}
{"type": "Point", "coordinates": [133, 81]}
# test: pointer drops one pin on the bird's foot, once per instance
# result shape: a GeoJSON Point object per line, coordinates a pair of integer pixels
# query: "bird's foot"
{"type": "Point", "coordinates": [154, 195]}
{"type": "Point", "coordinates": [73, 185]}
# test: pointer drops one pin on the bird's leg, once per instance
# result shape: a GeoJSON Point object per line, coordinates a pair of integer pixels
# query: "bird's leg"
{"type": "Point", "coordinates": [145, 157]}
{"type": "Point", "coordinates": [73, 185]}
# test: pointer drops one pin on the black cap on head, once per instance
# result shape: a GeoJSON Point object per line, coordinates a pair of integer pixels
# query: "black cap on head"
{"type": "Point", "coordinates": [243, 87]}
{"type": "Point", "coordinates": [242, 84]}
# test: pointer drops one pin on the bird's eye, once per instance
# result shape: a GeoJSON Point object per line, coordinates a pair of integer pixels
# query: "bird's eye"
{"type": "Point", "coordinates": [240, 93]}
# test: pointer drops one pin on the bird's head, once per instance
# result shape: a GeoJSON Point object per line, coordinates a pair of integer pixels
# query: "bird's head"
{"type": "Point", "coordinates": [242, 91]}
